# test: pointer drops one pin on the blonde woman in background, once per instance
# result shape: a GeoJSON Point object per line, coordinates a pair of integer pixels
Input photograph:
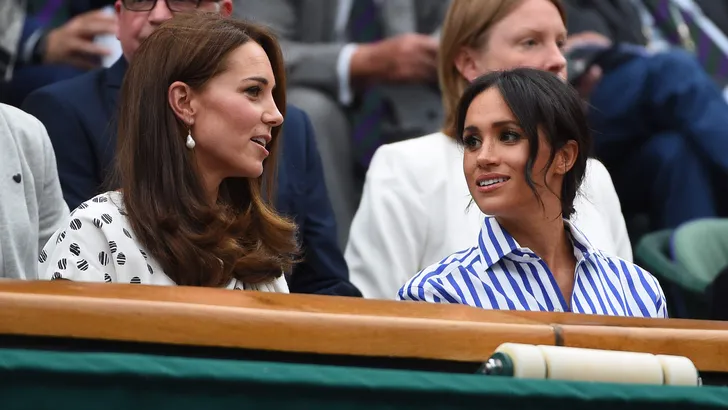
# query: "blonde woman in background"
{"type": "Point", "coordinates": [415, 205]}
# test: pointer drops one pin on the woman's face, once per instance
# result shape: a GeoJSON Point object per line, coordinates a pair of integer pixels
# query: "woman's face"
{"type": "Point", "coordinates": [532, 35]}
{"type": "Point", "coordinates": [234, 115]}
{"type": "Point", "coordinates": [495, 159]}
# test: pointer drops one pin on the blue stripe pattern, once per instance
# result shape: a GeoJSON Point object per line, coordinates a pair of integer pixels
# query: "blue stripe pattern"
{"type": "Point", "coordinates": [499, 274]}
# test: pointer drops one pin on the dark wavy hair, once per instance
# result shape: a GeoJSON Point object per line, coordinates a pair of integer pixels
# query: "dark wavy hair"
{"type": "Point", "coordinates": [197, 243]}
{"type": "Point", "coordinates": [539, 99]}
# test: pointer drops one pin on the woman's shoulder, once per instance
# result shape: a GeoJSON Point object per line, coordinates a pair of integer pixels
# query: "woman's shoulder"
{"type": "Point", "coordinates": [110, 203]}
{"type": "Point", "coordinates": [425, 158]}
{"type": "Point", "coordinates": [96, 244]}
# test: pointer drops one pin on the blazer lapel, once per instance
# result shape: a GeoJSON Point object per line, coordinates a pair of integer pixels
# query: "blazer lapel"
{"type": "Point", "coordinates": [114, 78]}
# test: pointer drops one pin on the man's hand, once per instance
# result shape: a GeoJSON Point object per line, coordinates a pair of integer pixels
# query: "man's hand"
{"type": "Point", "coordinates": [73, 43]}
{"type": "Point", "coordinates": [407, 58]}
{"type": "Point", "coordinates": [591, 78]}
{"type": "Point", "coordinates": [586, 38]}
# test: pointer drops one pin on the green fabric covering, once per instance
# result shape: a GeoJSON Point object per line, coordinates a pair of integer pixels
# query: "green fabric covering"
{"type": "Point", "coordinates": [38, 380]}
{"type": "Point", "coordinates": [652, 253]}
{"type": "Point", "coordinates": [701, 248]}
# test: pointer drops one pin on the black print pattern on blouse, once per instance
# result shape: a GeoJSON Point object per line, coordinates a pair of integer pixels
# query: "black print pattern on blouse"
{"type": "Point", "coordinates": [82, 264]}
{"type": "Point", "coordinates": [107, 278]}
{"type": "Point", "coordinates": [83, 206]}
{"type": "Point", "coordinates": [112, 247]}
{"type": "Point", "coordinates": [144, 254]}
{"type": "Point", "coordinates": [151, 271]}
{"type": "Point", "coordinates": [98, 223]}
{"type": "Point", "coordinates": [103, 258]}
{"type": "Point", "coordinates": [136, 280]}
{"type": "Point", "coordinates": [100, 199]}
{"type": "Point", "coordinates": [75, 249]}
{"type": "Point", "coordinates": [128, 235]}
{"type": "Point", "coordinates": [76, 224]}
{"type": "Point", "coordinates": [106, 218]}
{"type": "Point", "coordinates": [121, 259]}
{"type": "Point", "coordinates": [60, 238]}
{"type": "Point", "coordinates": [62, 263]}
{"type": "Point", "coordinates": [43, 256]}
{"type": "Point", "coordinates": [56, 276]}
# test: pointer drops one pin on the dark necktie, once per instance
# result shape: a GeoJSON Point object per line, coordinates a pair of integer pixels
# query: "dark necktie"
{"type": "Point", "coordinates": [365, 27]}
{"type": "Point", "coordinates": [50, 13]}
{"type": "Point", "coordinates": [707, 52]}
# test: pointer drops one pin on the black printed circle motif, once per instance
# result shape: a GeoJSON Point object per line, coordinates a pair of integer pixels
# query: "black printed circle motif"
{"type": "Point", "coordinates": [103, 258]}
{"type": "Point", "coordinates": [76, 224]}
{"type": "Point", "coordinates": [75, 249]}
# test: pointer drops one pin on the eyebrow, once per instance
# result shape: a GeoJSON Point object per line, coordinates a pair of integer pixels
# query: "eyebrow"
{"type": "Point", "coordinates": [497, 124]}
{"type": "Point", "coordinates": [533, 31]}
{"type": "Point", "coordinates": [261, 80]}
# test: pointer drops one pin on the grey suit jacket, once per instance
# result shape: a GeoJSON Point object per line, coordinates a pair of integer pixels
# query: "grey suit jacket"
{"type": "Point", "coordinates": [31, 204]}
{"type": "Point", "coordinates": [306, 31]}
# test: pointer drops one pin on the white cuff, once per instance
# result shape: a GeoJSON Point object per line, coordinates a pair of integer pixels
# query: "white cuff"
{"type": "Point", "coordinates": [343, 64]}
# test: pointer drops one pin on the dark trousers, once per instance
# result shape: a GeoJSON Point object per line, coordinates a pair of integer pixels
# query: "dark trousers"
{"type": "Point", "coordinates": [661, 128]}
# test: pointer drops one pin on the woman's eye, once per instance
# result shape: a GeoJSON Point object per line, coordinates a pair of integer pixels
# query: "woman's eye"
{"type": "Point", "coordinates": [253, 91]}
{"type": "Point", "coordinates": [530, 43]}
{"type": "Point", "coordinates": [471, 141]}
{"type": "Point", "coordinates": [510, 136]}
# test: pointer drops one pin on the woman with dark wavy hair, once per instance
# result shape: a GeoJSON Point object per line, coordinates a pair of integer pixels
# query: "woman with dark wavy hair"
{"type": "Point", "coordinates": [197, 146]}
{"type": "Point", "coordinates": [525, 142]}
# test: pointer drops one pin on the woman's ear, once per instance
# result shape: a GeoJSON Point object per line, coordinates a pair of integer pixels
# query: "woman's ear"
{"type": "Point", "coordinates": [566, 157]}
{"type": "Point", "coordinates": [467, 64]}
{"type": "Point", "coordinates": [179, 96]}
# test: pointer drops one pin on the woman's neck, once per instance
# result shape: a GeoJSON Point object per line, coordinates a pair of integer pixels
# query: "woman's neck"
{"type": "Point", "coordinates": [545, 236]}
{"type": "Point", "coordinates": [548, 239]}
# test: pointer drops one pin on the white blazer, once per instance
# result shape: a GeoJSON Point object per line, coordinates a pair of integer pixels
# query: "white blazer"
{"type": "Point", "coordinates": [414, 212]}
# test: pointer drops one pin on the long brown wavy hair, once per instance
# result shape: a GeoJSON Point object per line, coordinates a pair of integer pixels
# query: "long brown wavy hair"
{"type": "Point", "coordinates": [196, 243]}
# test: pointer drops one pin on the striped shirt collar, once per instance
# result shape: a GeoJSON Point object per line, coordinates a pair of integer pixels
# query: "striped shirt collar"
{"type": "Point", "coordinates": [495, 243]}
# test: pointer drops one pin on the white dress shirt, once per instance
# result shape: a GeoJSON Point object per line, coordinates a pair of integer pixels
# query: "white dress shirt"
{"type": "Point", "coordinates": [414, 212]}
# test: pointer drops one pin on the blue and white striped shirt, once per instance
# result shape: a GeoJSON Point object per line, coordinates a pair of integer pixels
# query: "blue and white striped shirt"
{"type": "Point", "coordinates": [499, 274]}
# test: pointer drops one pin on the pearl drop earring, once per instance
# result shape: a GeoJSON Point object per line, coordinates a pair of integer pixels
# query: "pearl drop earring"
{"type": "Point", "coordinates": [190, 141]}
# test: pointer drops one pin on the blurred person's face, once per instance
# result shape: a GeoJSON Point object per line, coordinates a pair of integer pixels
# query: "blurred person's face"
{"type": "Point", "coordinates": [496, 153]}
{"type": "Point", "coordinates": [139, 18]}
{"type": "Point", "coordinates": [532, 35]}
{"type": "Point", "coordinates": [232, 116]}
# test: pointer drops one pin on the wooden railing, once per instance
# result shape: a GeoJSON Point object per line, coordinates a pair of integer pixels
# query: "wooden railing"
{"type": "Point", "coordinates": [331, 325]}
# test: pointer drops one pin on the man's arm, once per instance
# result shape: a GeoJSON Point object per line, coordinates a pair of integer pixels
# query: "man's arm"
{"type": "Point", "coordinates": [335, 67]}
{"type": "Point", "coordinates": [323, 270]}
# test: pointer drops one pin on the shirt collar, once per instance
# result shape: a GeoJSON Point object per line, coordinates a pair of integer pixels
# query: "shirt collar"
{"type": "Point", "coordinates": [494, 243]}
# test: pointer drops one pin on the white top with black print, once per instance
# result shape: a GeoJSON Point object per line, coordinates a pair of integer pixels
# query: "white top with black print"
{"type": "Point", "coordinates": [97, 245]}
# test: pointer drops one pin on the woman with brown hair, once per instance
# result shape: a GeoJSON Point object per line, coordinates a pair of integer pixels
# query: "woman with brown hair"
{"type": "Point", "coordinates": [199, 120]}
{"type": "Point", "coordinates": [415, 205]}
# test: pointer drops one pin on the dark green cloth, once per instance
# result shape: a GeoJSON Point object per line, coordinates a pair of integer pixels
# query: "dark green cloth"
{"type": "Point", "coordinates": [37, 380]}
